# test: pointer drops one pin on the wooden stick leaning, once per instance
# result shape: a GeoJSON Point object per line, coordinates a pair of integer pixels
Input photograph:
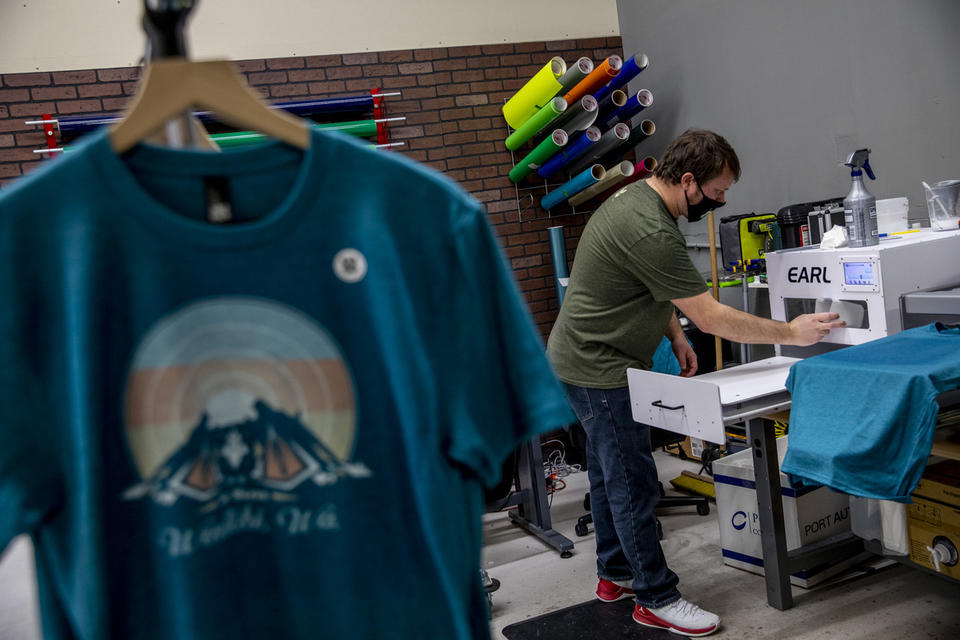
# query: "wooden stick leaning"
{"type": "Point", "coordinates": [718, 346]}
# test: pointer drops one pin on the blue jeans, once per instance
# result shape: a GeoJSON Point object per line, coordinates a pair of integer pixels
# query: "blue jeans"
{"type": "Point", "coordinates": [624, 491]}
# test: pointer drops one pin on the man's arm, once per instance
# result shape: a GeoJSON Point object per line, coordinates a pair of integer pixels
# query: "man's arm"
{"type": "Point", "coordinates": [674, 330]}
{"type": "Point", "coordinates": [719, 319]}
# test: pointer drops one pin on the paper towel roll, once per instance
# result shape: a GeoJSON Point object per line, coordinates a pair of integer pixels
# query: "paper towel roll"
{"type": "Point", "coordinates": [892, 214]}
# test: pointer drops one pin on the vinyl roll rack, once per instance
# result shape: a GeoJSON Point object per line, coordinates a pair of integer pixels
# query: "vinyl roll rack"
{"type": "Point", "coordinates": [373, 102]}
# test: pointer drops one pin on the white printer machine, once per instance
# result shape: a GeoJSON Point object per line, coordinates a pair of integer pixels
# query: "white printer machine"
{"type": "Point", "coordinates": [864, 285]}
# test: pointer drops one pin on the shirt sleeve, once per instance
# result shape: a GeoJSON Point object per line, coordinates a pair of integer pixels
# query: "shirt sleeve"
{"type": "Point", "coordinates": [29, 477]}
{"type": "Point", "coordinates": [502, 390]}
{"type": "Point", "coordinates": [661, 262]}
{"type": "Point", "coordinates": [30, 488]}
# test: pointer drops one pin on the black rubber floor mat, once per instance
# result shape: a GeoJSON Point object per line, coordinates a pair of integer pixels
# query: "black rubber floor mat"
{"type": "Point", "coordinates": [587, 621]}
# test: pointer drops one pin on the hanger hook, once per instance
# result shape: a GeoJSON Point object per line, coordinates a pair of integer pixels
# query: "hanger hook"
{"type": "Point", "coordinates": [164, 22]}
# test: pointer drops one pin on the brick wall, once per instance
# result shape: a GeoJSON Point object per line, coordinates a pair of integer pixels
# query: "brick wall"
{"type": "Point", "coordinates": [452, 98]}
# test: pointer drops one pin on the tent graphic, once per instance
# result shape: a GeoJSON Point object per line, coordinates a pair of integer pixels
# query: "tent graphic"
{"type": "Point", "coordinates": [238, 394]}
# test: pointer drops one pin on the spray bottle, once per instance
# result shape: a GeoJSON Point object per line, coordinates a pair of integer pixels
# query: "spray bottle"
{"type": "Point", "coordinates": [860, 207]}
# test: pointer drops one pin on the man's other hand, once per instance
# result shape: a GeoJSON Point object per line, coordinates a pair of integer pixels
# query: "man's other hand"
{"type": "Point", "coordinates": [685, 356]}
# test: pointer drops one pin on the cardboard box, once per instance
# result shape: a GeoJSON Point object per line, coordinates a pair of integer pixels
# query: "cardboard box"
{"type": "Point", "coordinates": [933, 520]}
{"type": "Point", "coordinates": [941, 483]}
{"type": "Point", "coordinates": [809, 514]}
{"type": "Point", "coordinates": [692, 448]}
{"type": "Point", "coordinates": [687, 448]}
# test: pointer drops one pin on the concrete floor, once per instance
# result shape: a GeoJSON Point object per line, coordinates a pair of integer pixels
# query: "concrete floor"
{"type": "Point", "coordinates": [896, 602]}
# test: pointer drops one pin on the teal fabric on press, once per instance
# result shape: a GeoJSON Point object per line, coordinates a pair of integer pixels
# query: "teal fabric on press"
{"type": "Point", "coordinates": [862, 418]}
{"type": "Point", "coordinates": [278, 426]}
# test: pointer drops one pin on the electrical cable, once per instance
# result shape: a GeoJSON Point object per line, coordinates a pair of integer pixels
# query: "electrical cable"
{"type": "Point", "coordinates": [555, 468]}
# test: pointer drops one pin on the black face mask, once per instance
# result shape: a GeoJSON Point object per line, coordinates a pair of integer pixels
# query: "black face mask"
{"type": "Point", "coordinates": [697, 211]}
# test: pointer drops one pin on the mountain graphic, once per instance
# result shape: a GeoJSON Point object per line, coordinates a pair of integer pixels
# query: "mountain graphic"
{"type": "Point", "coordinates": [273, 451]}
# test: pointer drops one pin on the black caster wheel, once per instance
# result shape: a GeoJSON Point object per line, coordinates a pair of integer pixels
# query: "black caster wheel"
{"type": "Point", "coordinates": [703, 509]}
{"type": "Point", "coordinates": [489, 584]}
{"type": "Point", "coordinates": [581, 530]}
{"type": "Point", "coordinates": [566, 554]}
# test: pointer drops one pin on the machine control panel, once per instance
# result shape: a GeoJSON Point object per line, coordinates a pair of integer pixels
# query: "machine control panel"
{"type": "Point", "coordinates": [860, 273]}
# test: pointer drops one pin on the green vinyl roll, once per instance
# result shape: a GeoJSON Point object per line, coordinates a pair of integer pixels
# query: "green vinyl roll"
{"type": "Point", "coordinates": [641, 133]}
{"type": "Point", "coordinates": [540, 154]}
{"type": "Point", "coordinates": [535, 93]}
{"type": "Point", "coordinates": [359, 128]}
{"type": "Point", "coordinates": [534, 125]}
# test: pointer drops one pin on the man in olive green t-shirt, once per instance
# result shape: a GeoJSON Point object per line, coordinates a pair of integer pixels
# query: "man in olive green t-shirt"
{"type": "Point", "coordinates": [631, 269]}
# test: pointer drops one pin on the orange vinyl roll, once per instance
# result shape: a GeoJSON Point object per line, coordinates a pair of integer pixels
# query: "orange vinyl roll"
{"type": "Point", "coordinates": [596, 79]}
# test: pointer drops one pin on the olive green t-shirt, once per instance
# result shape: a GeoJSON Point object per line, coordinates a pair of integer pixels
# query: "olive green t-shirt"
{"type": "Point", "coordinates": [631, 262]}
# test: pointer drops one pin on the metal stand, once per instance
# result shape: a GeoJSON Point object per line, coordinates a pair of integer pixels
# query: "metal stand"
{"type": "Point", "coordinates": [533, 511]}
{"type": "Point", "coordinates": [778, 563]}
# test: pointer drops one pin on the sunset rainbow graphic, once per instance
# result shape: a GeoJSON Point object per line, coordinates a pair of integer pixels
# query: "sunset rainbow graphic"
{"type": "Point", "coordinates": [224, 365]}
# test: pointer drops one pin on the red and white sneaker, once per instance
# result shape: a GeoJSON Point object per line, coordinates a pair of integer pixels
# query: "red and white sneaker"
{"type": "Point", "coordinates": [611, 592]}
{"type": "Point", "coordinates": [680, 617]}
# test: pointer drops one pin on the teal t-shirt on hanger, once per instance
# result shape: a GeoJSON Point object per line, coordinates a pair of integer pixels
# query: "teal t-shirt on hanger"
{"type": "Point", "coordinates": [277, 426]}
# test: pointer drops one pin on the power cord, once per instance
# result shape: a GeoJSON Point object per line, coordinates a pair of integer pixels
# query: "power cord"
{"type": "Point", "coordinates": [555, 468]}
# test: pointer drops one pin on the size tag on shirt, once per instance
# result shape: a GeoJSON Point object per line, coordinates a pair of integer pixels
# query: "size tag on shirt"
{"type": "Point", "coordinates": [217, 191]}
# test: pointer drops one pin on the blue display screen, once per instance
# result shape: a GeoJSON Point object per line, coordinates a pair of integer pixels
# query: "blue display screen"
{"type": "Point", "coordinates": [858, 273]}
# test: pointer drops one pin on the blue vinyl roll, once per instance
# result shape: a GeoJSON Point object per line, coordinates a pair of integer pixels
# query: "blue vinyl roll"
{"type": "Point", "coordinates": [338, 104]}
{"type": "Point", "coordinates": [572, 187]}
{"type": "Point", "coordinates": [610, 140]}
{"type": "Point", "coordinates": [558, 253]}
{"type": "Point", "coordinates": [81, 124]}
{"type": "Point", "coordinates": [630, 69]}
{"type": "Point", "coordinates": [569, 153]}
{"type": "Point", "coordinates": [635, 104]}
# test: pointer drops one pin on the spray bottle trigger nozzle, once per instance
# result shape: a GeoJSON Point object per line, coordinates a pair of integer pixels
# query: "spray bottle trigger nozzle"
{"type": "Point", "coordinates": [866, 167]}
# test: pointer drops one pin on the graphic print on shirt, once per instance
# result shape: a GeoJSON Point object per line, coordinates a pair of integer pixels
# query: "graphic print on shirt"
{"type": "Point", "coordinates": [239, 413]}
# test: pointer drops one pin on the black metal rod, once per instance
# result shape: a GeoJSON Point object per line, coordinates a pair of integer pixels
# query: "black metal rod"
{"type": "Point", "coordinates": [164, 22]}
{"type": "Point", "coordinates": [773, 538]}
{"type": "Point", "coordinates": [660, 405]}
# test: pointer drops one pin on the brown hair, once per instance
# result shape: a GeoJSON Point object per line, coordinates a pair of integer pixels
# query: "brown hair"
{"type": "Point", "coordinates": [703, 153]}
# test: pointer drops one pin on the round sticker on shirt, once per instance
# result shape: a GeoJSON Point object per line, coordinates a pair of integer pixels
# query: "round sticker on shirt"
{"type": "Point", "coordinates": [350, 265]}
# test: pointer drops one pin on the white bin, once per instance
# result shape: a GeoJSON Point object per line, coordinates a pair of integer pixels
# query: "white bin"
{"type": "Point", "coordinates": [881, 520]}
{"type": "Point", "coordinates": [809, 515]}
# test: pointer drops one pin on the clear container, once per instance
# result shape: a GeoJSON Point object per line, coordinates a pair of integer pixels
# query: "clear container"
{"type": "Point", "coordinates": [942, 205]}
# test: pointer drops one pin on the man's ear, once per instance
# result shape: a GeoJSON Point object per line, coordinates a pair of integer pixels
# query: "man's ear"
{"type": "Point", "coordinates": [687, 179]}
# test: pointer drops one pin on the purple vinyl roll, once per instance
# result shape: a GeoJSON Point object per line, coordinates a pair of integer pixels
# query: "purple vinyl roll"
{"type": "Point", "coordinates": [637, 103]}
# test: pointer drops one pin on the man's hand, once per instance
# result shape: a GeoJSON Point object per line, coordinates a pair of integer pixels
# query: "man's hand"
{"type": "Point", "coordinates": [811, 328]}
{"type": "Point", "coordinates": [685, 356]}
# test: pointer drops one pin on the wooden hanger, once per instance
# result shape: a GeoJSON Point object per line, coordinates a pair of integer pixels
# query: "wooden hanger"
{"type": "Point", "coordinates": [173, 86]}
{"type": "Point", "coordinates": [197, 135]}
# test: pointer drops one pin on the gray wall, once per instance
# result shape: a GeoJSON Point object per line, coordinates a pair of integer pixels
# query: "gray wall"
{"type": "Point", "coordinates": [795, 85]}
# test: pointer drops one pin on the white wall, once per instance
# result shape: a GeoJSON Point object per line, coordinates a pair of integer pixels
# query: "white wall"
{"type": "Point", "coordinates": [54, 35]}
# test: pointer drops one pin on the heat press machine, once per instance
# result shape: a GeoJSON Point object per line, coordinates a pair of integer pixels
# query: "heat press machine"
{"type": "Point", "coordinates": [864, 285]}
{"type": "Point", "coordinates": [867, 287]}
